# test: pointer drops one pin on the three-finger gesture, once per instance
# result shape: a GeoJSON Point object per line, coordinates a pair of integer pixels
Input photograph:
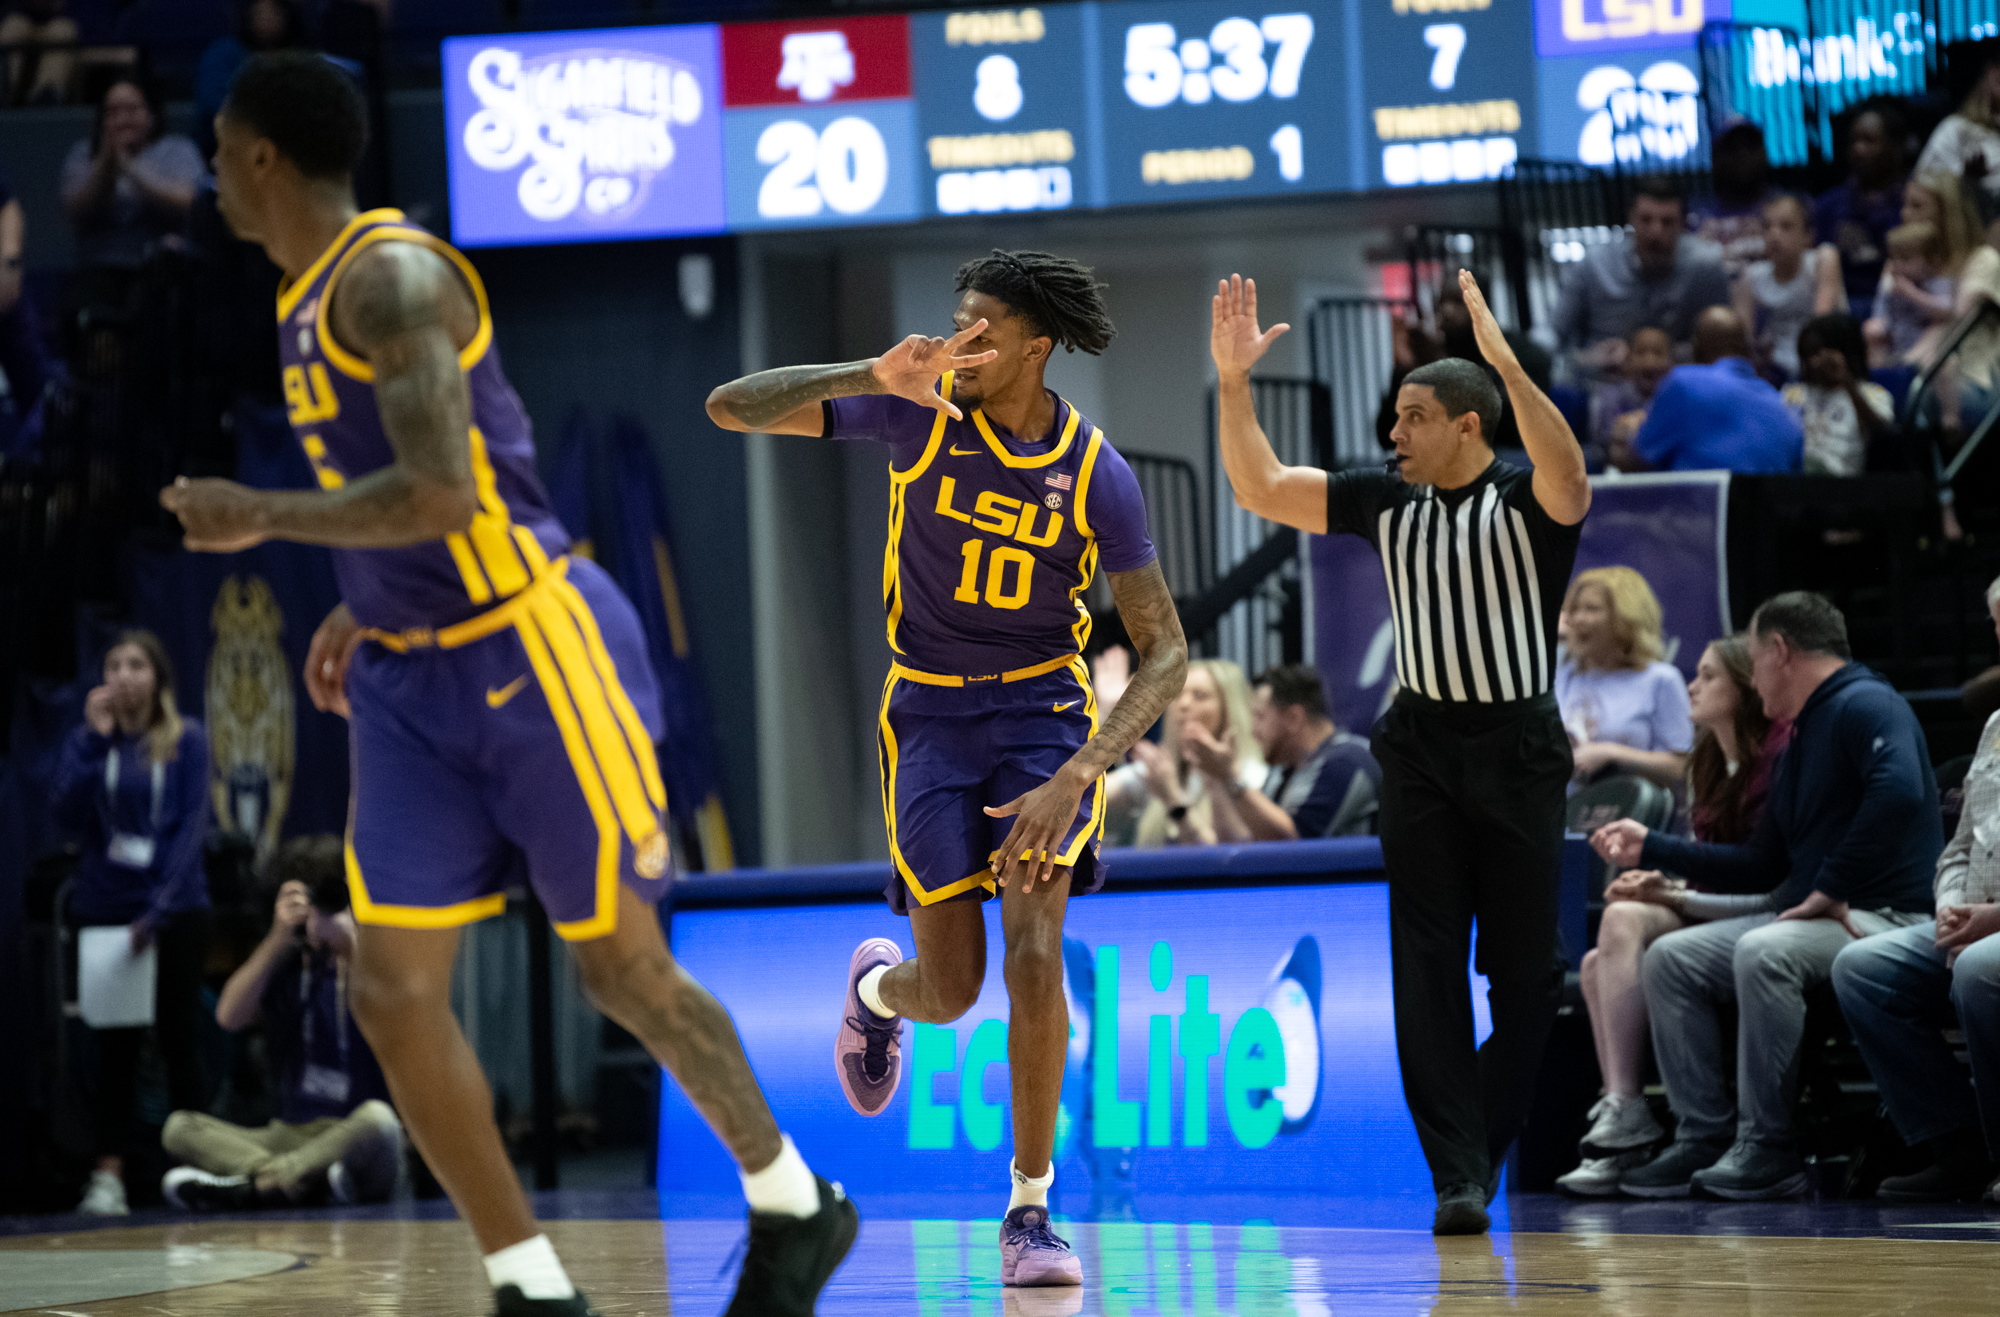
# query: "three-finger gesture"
{"type": "Point", "coordinates": [911, 368]}
{"type": "Point", "coordinates": [1234, 339]}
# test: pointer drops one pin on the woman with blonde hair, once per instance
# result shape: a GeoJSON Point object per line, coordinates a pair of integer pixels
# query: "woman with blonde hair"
{"type": "Point", "coordinates": [132, 787]}
{"type": "Point", "coordinates": [1178, 804]}
{"type": "Point", "coordinates": [1626, 710]}
{"type": "Point", "coordinates": [1729, 776]}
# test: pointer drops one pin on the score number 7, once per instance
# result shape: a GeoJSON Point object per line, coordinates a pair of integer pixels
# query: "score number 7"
{"type": "Point", "coordinates": [1448, 40]}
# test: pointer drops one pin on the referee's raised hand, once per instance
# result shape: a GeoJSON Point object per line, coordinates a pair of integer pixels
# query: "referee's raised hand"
{"type": "Point", "coordinates": [1493, 344]}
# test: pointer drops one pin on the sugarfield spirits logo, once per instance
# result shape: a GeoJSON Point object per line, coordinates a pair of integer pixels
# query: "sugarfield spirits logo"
{"type": "Point", "coordinates": [592, 127]}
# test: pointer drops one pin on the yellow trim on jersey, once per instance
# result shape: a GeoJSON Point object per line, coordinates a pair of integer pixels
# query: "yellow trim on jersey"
{"type": "Point", "coordinates": [354, 367]}
{"type": "Point", "coordinates": [472, 628]}
{"type": "Point", "coordinates": [491, 528]}
{"type": "Point", "coordinates": [1018, 674]}
{"type": "Point", "coordinates": [1007, 458]}
{"type": "Point", "coordinates": [892, 580]}
{"type": "Point", "coordinates": [1086, 565]}
{"type": "Point", "coordinates": [467, 562]}
{"type": "Point", "coordinates": [289, 293]}
{"type": "Point", "coordinates": [1083, 471]}
{"type": "Point", "coordinates": [890, 755]}
{"type": "Point", "coordinates": [367, 911]}
{"type": "Point", "coordinates": [549, 676]}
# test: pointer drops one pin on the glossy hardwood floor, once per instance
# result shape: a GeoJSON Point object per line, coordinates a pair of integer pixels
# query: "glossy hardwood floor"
{"type": "Point", "coordinates": [1559, 1259]}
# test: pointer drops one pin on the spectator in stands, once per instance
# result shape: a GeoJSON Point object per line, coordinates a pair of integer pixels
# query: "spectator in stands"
{"type": "Point", "coordinates": [335, 1135]}
{"type": "Point", "coordinates": [132, 786]}
{"type": "Point", "coordinates": [41, 60]}
{"type": "Point", "coordinates": [1729, 778]}
{"type": "Point", "coordinates": [1913, 303]}
{"type": "Point", "coordinates": [1618, 405]}
{"type": "Point", "coordinates": [1717, 414]}
{"type": "Point", "coordinates": [128, 188]}
{"type": "Point", "coordinates": [1625, 710]}
{"type": "Point", "coordinates": [1971, 136]}
{"type": "Point", "coordinates": [1898, 990]}
{"type": "Point", "coordinates": [1660, 275]}
{"type": "Point", "coordinates": [1793, 282]}
{"type": "Point", "coordinates": [1413, 346]}
{"type": "Point", "coordinates": [1177, 803]}
{"type": "Point", "coordinates": [1856, 216]}
{"type": "Point", "coordinates": [1840, 409]}
{"type": "Point", "coordinates": [1733, 218]}
{"type": "Point", "coordinates": [1850, 837]}
{"type": "Point", "coordinates": [1322, 781]}
{"type": "Point", "coordinates": [22, 355]}
{"type": "Point", "coordinates": [260, 25]}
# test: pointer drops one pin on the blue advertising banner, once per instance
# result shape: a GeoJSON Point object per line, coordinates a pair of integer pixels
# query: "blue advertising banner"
{"type": "Point", "coordinates": [1234, 1040]}
{"type": "Point", "coordinates": [584, 136]}
{"type": "Point", "coordinates": [1671, 528]}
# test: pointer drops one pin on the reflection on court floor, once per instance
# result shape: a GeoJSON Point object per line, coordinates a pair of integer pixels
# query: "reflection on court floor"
{"type": "Point", "coordinates": [1561, 1258]}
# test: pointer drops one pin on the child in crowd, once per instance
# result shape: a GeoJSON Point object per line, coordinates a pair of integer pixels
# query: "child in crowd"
{"type": "Point", "coordinates": [1794, 282]}
{"type": "Point", "coordinates": [1618, 406]}
{"type": "Point", "coordinates": [1841, 410]}
{"type": "Point", "coordinates": [1914, 303]}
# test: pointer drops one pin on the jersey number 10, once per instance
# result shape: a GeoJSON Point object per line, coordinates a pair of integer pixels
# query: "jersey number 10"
{"type": "Point", "coordinates": [997, 593]}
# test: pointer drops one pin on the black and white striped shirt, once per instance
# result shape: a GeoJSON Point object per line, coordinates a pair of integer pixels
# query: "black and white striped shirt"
{"type": "Point", "coordinates": [1476, 577]}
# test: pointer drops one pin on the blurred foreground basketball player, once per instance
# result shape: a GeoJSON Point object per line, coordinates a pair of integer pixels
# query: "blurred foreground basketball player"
{"type": "Point", "coordinates": [496, 688]}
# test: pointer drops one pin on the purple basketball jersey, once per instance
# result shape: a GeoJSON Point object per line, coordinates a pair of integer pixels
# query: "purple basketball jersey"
{"type": "Point", "coordinates": [992, 540]}
{"type": "Point", "coordinates": [330, 399]}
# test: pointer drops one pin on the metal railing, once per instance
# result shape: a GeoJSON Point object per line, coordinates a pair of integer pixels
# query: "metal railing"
{"type": "Point", "coordinates": [1176, 517]}
{"type": "Point", "coordinates": [1920, 413]}
{"type": "Point", "coordinates": [1254, 613]}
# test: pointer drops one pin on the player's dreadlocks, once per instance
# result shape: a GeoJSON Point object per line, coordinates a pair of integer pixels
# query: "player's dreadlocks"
{"type": "Point", "coordinates": [1057, 296]}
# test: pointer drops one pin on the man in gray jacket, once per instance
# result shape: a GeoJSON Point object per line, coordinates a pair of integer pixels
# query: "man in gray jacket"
{"type": "Point", "coordinates": [1900, 990]}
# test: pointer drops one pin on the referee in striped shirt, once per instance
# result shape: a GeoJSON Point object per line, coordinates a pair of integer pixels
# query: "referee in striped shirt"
{"type": "Point", "coordinates": [1477, 554]}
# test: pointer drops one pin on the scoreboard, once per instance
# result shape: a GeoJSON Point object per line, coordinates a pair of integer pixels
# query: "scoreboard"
{"type": "Point", "coordinates": [888, 118]}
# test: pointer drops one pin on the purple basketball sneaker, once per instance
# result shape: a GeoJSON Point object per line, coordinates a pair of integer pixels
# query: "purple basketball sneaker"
{"type": "Point", "coordinates": [869, 1052]}
{"type": "Point", "coordinates": [1033, 1254]}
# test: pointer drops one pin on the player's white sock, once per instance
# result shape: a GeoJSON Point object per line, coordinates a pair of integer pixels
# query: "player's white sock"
{"type": "Point", "coordinates": [870, 991]}
{"type": "Point", "coordinates": [786, 1186]}
{"type": "Point", "coordinates": [1030, 1193]}
{"type": "Point", "coordinates": [532, 1264]}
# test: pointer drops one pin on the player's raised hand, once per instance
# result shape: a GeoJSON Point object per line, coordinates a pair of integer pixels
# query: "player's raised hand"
{"type": "Point", "coordinates": [911, 368]}
{"type": "Point", "coordinates": [1493, 344]}
{"type": "Point", "coordinates": [1233, 338]}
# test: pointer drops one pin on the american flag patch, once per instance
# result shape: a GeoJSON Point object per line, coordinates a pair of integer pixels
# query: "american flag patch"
{"type": "Point", "coordinates": [1060, 481]}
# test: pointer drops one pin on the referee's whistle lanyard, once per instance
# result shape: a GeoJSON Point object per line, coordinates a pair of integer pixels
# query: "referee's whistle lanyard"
{"type": "Point", "coordinates": [131, 850]}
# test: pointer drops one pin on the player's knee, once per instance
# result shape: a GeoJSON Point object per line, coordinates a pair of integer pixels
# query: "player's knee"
{"type": "Point", "coordinates": [1034, 964]}
{"type": "Point", "coordinates": [381, 996]}
{"type": "Point", "coordinates": [616, 983]}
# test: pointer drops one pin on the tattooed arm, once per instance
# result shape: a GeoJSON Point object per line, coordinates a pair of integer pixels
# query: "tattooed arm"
{"type": "Point", "coordinates": [786, 400]}
{"type": "Point", "coordinates": [407, 313]}
{"type": "Point", "coordinates": [1044, 814]}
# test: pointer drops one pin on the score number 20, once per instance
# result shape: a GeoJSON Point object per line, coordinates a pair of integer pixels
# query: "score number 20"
{"type": "Point", "coordinates": [1160, 69]}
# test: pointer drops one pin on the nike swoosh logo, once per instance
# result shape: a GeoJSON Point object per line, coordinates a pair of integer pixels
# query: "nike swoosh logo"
{"type": "Point", "coordinates": [956, 451]}
{"type": "Point", "coordinates": [1061, 707]}
{"type": "Point", "coordinates": [496, 698]}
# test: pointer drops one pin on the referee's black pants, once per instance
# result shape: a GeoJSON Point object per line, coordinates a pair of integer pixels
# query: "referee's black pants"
{"type": "Point", "coordinates": [1472, 829]}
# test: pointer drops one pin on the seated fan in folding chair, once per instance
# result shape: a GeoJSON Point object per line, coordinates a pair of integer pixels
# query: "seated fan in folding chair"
{"type": "Point", "coordinates": [1728, 775]}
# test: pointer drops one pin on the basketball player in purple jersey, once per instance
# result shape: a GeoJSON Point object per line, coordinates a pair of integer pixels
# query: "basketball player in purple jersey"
{"type": "Point", "coordinates": [1004, 500]}
{"type": "Point", "coordinates": [496, 689]}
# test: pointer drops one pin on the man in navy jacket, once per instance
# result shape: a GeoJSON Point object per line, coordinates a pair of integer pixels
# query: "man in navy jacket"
{"type": "Point", "coordinates": [1846, 848]}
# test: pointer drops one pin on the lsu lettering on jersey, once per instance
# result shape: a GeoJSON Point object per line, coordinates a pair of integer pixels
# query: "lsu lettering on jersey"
{"type": "Point", "coordinates": [992, 543]}
{"type": "Point", "coordinates": [330, 400]}
{"type": "Point", "coordinates": [993, 540]}
{"type": "Point", "coordinates": [505, 708]}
